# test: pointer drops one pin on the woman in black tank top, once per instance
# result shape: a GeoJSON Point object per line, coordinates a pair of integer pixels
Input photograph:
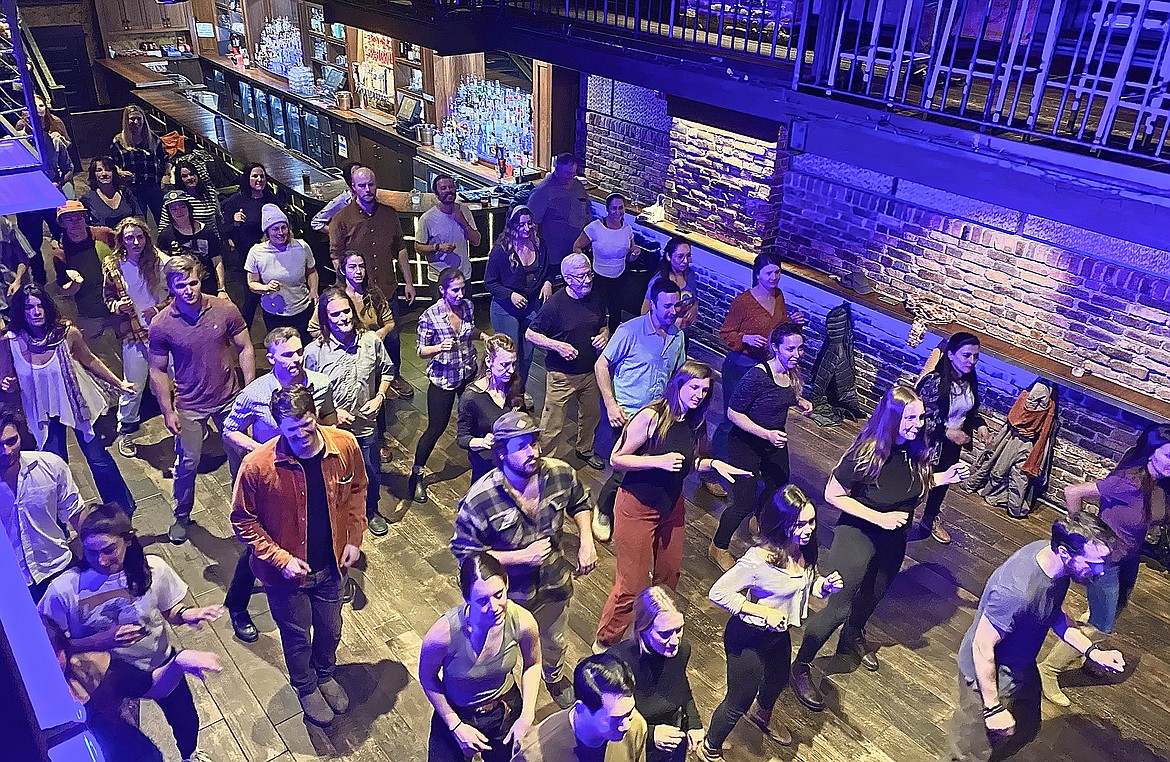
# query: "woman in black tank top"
{"type": "Point", "coordinates": [660, 445]}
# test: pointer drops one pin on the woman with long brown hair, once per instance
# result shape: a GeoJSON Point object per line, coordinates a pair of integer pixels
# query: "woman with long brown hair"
{"type": "Point", "coordinates": [1132, 498]}
{"type": "Point", "coordinates": [877, 486]}
{"type": "Point", "coordinates": [139, 151]}
{"type": "Point", "coordinates": [517, 278]}
{"type": "Point", "coordinates": [133, 286]}
{"type": "Point", "coordinates": [494, 392]}
{"type": "Point", "coordinates": [109, 199]}
{"type": "Point", "coordinates": [58, 378]}
{"type": "Point", "coordinates": [767, 592]}
{"type": "Point", "coordinates": [659, 447]}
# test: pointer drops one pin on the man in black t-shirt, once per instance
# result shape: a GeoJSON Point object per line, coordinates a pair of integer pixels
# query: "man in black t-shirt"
{"type": "Point", "coordinates": [999, 683]}
{"type": "Point", "coordinates": [571, 328]}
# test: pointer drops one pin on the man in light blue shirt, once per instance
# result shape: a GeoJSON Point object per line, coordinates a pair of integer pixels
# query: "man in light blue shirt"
{"type": "Point", "coordinates": [632, 372]}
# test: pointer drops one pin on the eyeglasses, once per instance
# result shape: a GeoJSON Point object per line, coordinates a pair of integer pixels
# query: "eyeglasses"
{"type": "Point", "coordinates": [582, 278]}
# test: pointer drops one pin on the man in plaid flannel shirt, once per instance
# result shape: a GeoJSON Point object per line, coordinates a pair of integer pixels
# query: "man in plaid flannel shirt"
{"type": "Point", "coordinates": [516, 512]}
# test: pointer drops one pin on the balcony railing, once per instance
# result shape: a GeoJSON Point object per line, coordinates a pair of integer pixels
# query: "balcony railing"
{"type": "Point", "coordinates": [1090, 75]}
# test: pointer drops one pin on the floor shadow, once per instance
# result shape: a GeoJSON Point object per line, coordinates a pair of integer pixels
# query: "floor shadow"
{"type": "Point", "coordinates": [222, 552]}
{"type": "Point", "coordinates": [1081, 738]}
{"type": "Point", "coordinates": [373, 690]}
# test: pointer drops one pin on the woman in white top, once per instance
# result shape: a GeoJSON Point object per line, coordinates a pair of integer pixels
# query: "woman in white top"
{"type": "Point", "coordinates": [610, 240]}
{"type": "Point", "coordinates": [133, 287]}
{"type": "Point", "coordinates": [281, 269]}
{"type": "Point", "coordinates": [767, 592]}
{"type": "Point", "coordinates": [58, 377]}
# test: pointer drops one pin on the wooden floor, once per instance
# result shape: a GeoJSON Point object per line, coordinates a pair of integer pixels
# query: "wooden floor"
{"type": "Point", "coordinates": [250, 712]}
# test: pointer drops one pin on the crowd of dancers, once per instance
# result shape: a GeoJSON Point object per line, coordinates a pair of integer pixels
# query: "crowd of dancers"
{"type": "Point", "coordinates": [305, 449]}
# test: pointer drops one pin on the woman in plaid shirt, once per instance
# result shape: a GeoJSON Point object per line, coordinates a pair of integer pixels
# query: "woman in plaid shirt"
{"type": "Point", "coordinates": [139, 151]}
{"type": "Point", "coordinates": [445, 335]}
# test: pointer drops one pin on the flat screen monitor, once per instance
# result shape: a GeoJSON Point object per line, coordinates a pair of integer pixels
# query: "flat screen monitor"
{"type": "Point", "coordinates": [334, 79]}
{"type": "Point", "coordinates": [409, 108]}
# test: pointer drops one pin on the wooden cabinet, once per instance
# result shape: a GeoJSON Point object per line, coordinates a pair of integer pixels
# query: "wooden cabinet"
{"type": "Point", "coordinates": [121, 18]}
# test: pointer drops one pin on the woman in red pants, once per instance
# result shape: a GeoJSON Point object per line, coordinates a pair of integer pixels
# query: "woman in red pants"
{"type": "Point", "coordinates": [660, 445]}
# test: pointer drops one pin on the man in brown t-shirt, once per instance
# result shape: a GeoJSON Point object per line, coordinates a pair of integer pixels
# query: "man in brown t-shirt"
{"type": "Point", "coordinates": [602, 726]}
{"type": "Point", "coordinates": [199, 335]}
{"type": "Point", "coordinates": [374, 231]}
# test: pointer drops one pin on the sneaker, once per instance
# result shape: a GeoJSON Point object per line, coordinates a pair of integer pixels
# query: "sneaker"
{"type": "Point", "coordinates": [707, 754]}
{"type": "Point", "coordinates": [349, 590]}
{"type": "Point", "coordinates": [939, 532]}
{"type": "Point", "coordinates": [561, 691]}
{"type": "Point", "coordinates": [127, 448]}
{"type": "Point", "coordinates": [378, 526]}
{"type": "Point", "coordinates": [602, 527]}
{"type": "Point", "coordinates": [198, 756]}
{"type": "Point", "coordinates": [716, 489]}
{"type": "Point", "coordinates": [598, 647]}
{"type": "Point", "coordinates": [317, 710]}
{"type": "Point", "coordinates": [720, 557]}
{"type": "Point", "coordinates": [386, 453]}
{"type": "Point", "coordinates": [402, 387]}
{"type": "Point", "coordinates": [335, 696]}
{"type": "Point", "coordinates": [178, 531]}
{"type": "Point", "coordinates": [593, 460]}
{"type": "Point", "coordinates": [244, 627]}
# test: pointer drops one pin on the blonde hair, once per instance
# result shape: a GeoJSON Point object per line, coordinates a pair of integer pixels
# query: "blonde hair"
{"type": "Point", "coordinates": [148, 139]}
{"type": "Point", "coordinates": [492, 345]}
{"type": "Point", "coordinates": [647, 606]}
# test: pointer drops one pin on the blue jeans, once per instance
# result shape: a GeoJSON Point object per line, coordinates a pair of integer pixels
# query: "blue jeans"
{"type": "Point", "coordinates": [393, 342]}
{"type": "Point", "coordinates": [1109, 593]}
{"type": "Point", "coordinates": [110, 484]}
{"type": "Point", "coordinates": [370, 447]}
{"type": "Point", "coordinates": [515, 327]}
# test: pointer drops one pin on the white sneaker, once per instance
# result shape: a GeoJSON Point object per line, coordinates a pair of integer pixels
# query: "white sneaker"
{"type": "Point", "coordinates": [602, 527]}
{"type": "Point", "coordinates": [198, 756]}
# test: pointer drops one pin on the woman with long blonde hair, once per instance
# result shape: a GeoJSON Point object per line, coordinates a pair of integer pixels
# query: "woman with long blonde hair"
{"type": "Point", "coordinates": [139, 151]}
{"type": "Point", "coordinates": [659, 447]}
{"type": "Point", "coordinates": [517, 277]}
{"type": "Point", "coordinates": [877, 486]}
{"type": "Point", "coordinates": [494, 392]}
{"type": "Point", "coordinates": [658, 656]}
{"type": "Point", "coordinates": [133, 286]}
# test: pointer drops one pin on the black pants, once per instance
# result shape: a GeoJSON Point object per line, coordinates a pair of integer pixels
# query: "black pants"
{"type": "Point", "coordinates": [299, 321]}
{"type": "Point", "coordinates": [251, 304]}
{"type": "Point", "coordinates": [440, 403]}
{"type": "Point", "coordinates": [239, 592]}
{"type": "Point", "coordinates": [613, 296]}
{"type": "Point", "coordinates": [758, 662]}
{"type": "Point", "coordinates": [607, 496]}
{"type": "Point", "coordinates": [179, 708]}
{"type": "Point", "coordinates": [768, 463]}
{"type": "Point", "coordinates": [949, 456]}
{"type": "Point", "coordinates": [32, 226]}
{"type": "Point", "coordinates": [442, 746]}
{"type": "Point", "coordinates": [868, 562]}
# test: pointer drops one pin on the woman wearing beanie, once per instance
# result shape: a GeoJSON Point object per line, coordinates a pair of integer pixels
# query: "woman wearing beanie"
{"type": "Point", "coordinates": [281, 270]}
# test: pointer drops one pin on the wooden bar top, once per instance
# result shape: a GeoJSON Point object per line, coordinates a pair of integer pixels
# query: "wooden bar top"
{"type": "Point", "coordinates": [245, 145]}
{"type": "Point", "coordinates": [137, 74]}
{"type": "Point", "coordinates": [1152, 408]}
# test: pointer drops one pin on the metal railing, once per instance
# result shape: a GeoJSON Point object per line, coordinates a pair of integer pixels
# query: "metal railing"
{"type": "Point", "coordinates": [1091, 75]}
{"type": "Point", "coordinates": [17, 91]}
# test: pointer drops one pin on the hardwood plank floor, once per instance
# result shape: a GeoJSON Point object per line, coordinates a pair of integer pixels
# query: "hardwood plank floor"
{"type": "Point", "coordinates": [407, 579]}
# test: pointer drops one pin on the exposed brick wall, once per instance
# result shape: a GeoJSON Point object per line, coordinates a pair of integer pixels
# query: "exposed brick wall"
{"type": "Point", "coordinates": [624, 135]}
{"type": "Point", "coordinates": [726, 185]}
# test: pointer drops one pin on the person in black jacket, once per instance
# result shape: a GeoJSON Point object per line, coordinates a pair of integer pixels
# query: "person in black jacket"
{"type": "Point", "coordinates": [241, 223]}
{"type": "Point", "coordinates": [950, 396]}
{"type": "Point", "coordinates": [658, 657]}
{"type": "Point", "coordinates": [517, 278]}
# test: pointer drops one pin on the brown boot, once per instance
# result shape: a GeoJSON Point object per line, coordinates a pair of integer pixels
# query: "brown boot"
{"type": "Point", "coordinates": [1060, 658]}
{"type": "Point", "coordinates": [720, 557]}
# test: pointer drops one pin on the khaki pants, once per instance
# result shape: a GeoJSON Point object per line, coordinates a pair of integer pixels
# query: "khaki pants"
{"type": "Point", "coordinates": [969, 741]}
{"type": "Point", "coordinates": [552, 618]}
{"type": "Point", "coordinates": [559, 389]}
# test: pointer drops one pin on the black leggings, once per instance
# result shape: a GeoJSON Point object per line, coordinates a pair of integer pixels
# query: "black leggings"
{"type": "Point", "coordinates": [613, 296]}
{"type": "Point", "coordinates": [179, 709]}
{"type": "Point", "coordinates": [769, 464]}
{"type": "Point", "coordinates": [949, 456]}
{"type": "Point", "coordinates": [299, 321]}
{"type": "Point", "coordinates": [440, 403]}
{"type": "Point", "coordinates": [868, 561]}
{"type": "Point", "coordinates": [758, 662]}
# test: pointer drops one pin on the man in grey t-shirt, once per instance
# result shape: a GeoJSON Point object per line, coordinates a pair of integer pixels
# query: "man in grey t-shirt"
{"type": "Point", "coordinates": [999, 684]}
{"type": "Point", "coordinates": [446, 232]}
{"type": "Point", "coordinates": [560, 206]}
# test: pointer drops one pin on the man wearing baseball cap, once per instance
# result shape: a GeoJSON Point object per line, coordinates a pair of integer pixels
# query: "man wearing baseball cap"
{"type": "Point", "coordinates": [516, 512]}
{"type": "Point", "coordinates": [78, 258]}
